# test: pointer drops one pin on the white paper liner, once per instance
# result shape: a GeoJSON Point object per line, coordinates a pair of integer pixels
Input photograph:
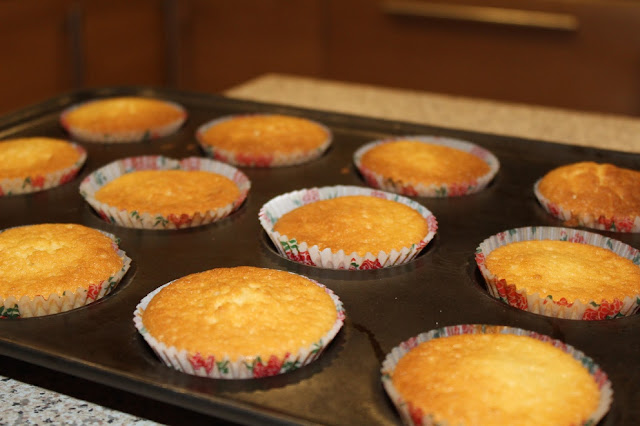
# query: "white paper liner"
{"type": "Point", "coordinates": [612, 224]}
{"type": "Point", "coordinates": [26, 307]}
{"type": "Point", "coordinates": [249, 367]}
{"type": "Point", "coordinates": [146, 220]}
{"type": "Point", "coordinates": [543, 304]}
{"type": "Point", "coordinates": [276, 159]}
{"type": "Point", "coordinates": [415, 417]}
{"type": "Point", "coordinates": [122, 136]}
{"type": "Point", "coordinates": [41, 182]}
{"type": "Point", "coordinates": [301, 252]}
{"type": "Point", "coordinates": [377, 180]}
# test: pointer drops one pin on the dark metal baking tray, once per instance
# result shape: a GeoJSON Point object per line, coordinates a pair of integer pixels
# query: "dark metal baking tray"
{"type": "Point", "coordinates": [384, 307]}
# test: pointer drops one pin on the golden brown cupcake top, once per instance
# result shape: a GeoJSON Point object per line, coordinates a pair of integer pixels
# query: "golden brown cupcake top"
{"type": "Point", "coordinates": [594, 189]}
{"type": "Point", "coordinates": [24, 157]}
{"type": "Point", "coordinates": [241, 311]}
{"type": "Point", "coordinates": [169, 191]}
{"type": "Point", "coordinates": [123, 114]}
{"type": "Point", "coordinates": [565, 269]}
{"type": "Point", "coordinates": [54, 258]}
{"type": "Point", "coordinates": [496, 379]}
{"type": "Point", "coordinates": [355, 223]}
{"type": "Point", "coordinates": [417, 162]}
{"type": "Point", "coordinates": [265, 134]}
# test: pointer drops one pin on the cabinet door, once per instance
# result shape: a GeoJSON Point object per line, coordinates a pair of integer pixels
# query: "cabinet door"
{"type": "Point", "coordinates": [123, 43]}
{"type": "Point", "coordinates": [36, 52]}
{"type": "Point", "coordinates": [223, 43]}
{"type": "Point", "coordinates": [594, 65]}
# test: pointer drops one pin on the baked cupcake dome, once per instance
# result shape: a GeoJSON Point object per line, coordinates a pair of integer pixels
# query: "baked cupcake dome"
{"type": "Point", "coordinates": [482, 374]}
{"type": "Point", "coordinates": [426, 166]}
{"type": "Point", "coordinates": [245, 322]}
{"type": "Point", "coordinates": [599, 196]}
{"type": "Point", "coordinates": [348, 227]}
{"type": "Point", "coordinates": [562, 272]}
{"type": "Point", "coordinates": [37, 163]}
{"type": "Point", "coordinates": [264, 140]}
{"type": "Point", "coordinates": [155, 192]}
{"type": "Point", "coordinates": [51, 268]}
{"type": "Point", "coordinates": [123, 119]}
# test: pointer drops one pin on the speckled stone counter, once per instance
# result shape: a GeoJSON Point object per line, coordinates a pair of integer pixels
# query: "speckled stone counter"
{"type": "Point", "coordinates": [25, 396]}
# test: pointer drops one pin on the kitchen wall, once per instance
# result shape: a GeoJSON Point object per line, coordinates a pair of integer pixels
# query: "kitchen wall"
{"type": "Point", "coordinates": [581, 54]}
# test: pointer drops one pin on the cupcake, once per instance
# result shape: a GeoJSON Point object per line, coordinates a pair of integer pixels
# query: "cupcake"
{"type": "Point", "coordinates": [243, 322]}
{"type": "Point", "coordinates": [51, 268]}
{"type": "Point", "coordinates": [481, 375]}
{"type": "Point", "coordinates": [562, 272]}
{"type": "Point", "coordinates": [347, 227]}
{"type": "Point", "coordinates": [35, 164]}
{"type": "Point", "coordinates": [154, 192]}
{"type": "Point", "coordinates": [123, 119]}
{"type": "Point", "coordinates": [264, 140]}
{"type": "Point", "coordinates": [600, 196]}
{"type": "Point", "coordinates": [426, 166]}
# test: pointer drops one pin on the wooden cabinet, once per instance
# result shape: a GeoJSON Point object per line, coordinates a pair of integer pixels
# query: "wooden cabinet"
{"type": "Point", "coordinates": [575, 54]}
{"type": "Point", "coordinates": [580, 54]}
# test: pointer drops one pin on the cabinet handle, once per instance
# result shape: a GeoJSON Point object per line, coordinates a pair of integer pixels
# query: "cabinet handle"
{"type": "Point", "coordinates": [482, 14]}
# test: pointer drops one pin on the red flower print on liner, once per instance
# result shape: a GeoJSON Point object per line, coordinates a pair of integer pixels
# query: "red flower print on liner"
{"type": "Point", "coordinates": [416, 414]}
{"type": "Point", "coordinates": [480, 259]}
{"type": "Point", "coordinates": [37, 182]}
{"type": "Point", "coordinates": [93, 291]}
{"type": "Point", "coordinates": [509, 294]}
{"type": "Point", "coordinates": [311, 196]}
{"type": "Point", "coordinates": [271, 368]}
{"type": "Point", "coordinates": [606, 222]}
{"type": "Point", "coordinates": [553, 209]}
{"type": "Point", "coordinates": [1, 192]}
{"type": "Point", "coordinates": [624, 225]}
{"type": "Point", "coordinates": [606, 310]}
{"type": "Point", "coordinates": [178, 221]}
{"type": "Point", "coordinates": [370, 264]}
{"type": "Point", "coordinates": [409, 191]}
{"type": "Point", "coordinates": [456, 190]}
{"type": "Point", "coordinates": [302, 257]}
{"type": "Point", "coordinates": [197, 361]}
{"type": "Point", "coordinates": [68, 177]}
{"type": "Point", "coordinates": [103, 216]}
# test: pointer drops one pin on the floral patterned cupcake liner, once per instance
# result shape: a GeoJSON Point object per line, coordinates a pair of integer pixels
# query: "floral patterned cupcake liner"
{"type": "Point", "coordinates": [376, 180]}
{"type": "Point", "coordinates": [122, 136]}
{"type": "Point", "coordinates": [134, 219]}
{"type": "Point", "coordinates": [26, 307]}
{"type": "Point", "coordinates": [249, 367]}
{"type": "Point", "coordinates": [544, 304]}
{"type": "Point", "coordinates": [612, 224]}
{"type": "Point", "coordinates": [41, 182]}
{"type": "Point", "coordinates": [414, 416]}
{"type": "Point", "coordinates": [301, 252]}
{"type": "Point", "coordinates": [267, 160]}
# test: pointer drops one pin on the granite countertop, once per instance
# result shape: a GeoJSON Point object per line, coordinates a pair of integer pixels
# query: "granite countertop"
{"type": "Point", "coordinates": [25, 396]}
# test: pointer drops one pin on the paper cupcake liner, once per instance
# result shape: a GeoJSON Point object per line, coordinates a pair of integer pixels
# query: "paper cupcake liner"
{"type": "Point", "coordinates": [414, 416]}
{"type": "Point", "coordinates": [543, 304]}
{"type": "Point", "coordinates": [134, 219]}
{"type": "Point", "coordinates": [122, 136]}
{"type": "Point", "coordinates": [277, 159]}
{"type": "Point", "coordinates": [301, 252]}
{"type": "Point", "coordinates": [376, 180]}
{"type": "Point", "coordinates": [612, 224]}
{"type": "Point", "coordinates": [249, 367]}
{"type": "Point", "coordinates": [26, 307]}
{"type": "Point", "coordinates": [41, 182]}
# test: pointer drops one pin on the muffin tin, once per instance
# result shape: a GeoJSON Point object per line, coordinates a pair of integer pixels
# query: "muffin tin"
{"type": "Point", "coordinates": [384, 307]}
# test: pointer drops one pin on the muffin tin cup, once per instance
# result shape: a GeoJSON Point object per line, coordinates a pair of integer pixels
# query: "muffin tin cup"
{"type": "Point", "coordinates": [26, 307]}
{"type": "Point", "coordinates": [122, 136]}
{"type": "Point", "coordinates": [278, 159]}
{"type": "Point", "coordinates": [544, 304]}
{"type": "Point", "coordinates": [413, 416]}
{"type": "Point", "coordinates": [328, 258]}
{"type": "Point", "coordinates": [41, 182]}
{"type": "Point", "coordinates": [376, 180]}
{"type": "Point", "coordinates": [144, 220]}
{"type": "Point", "coordinates": [249, 367]}
{"type": "Point", "coordinates": [611, 224]}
